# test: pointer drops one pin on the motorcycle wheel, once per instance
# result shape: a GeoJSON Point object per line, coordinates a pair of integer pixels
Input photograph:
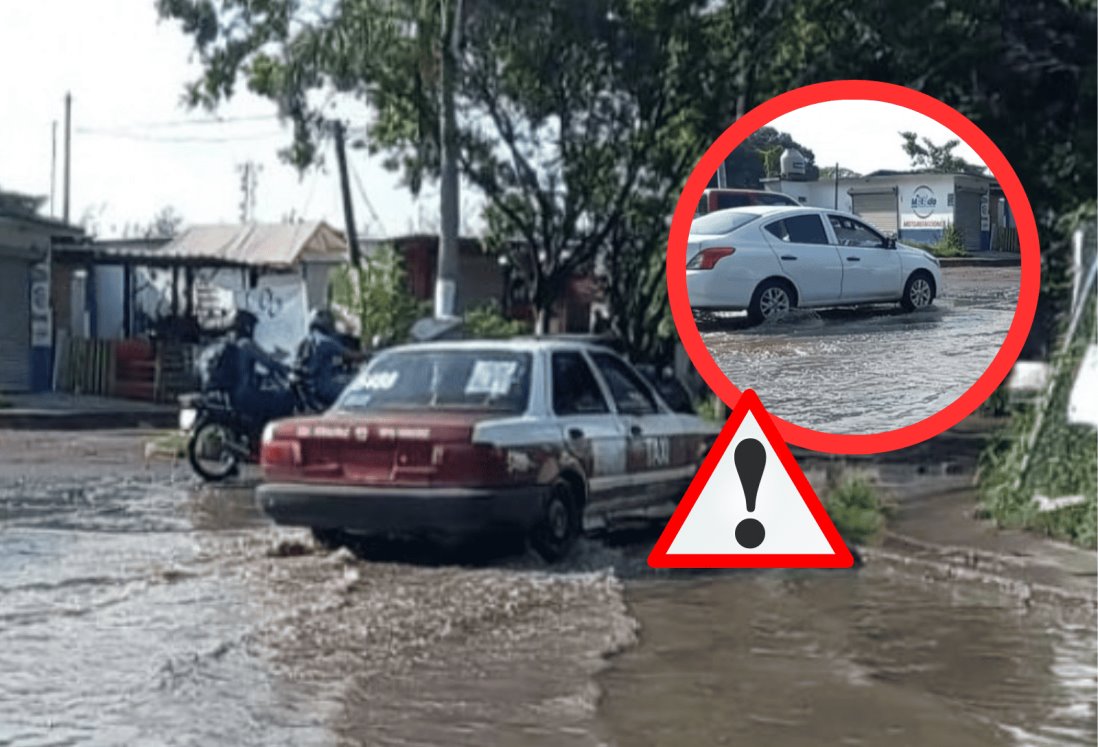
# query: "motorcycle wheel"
{"type": "Point", "coordinates": [210, 452]}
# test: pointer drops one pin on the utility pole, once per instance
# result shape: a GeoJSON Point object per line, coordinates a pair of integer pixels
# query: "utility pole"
{"type": "Point", "coordinates": [53, 168]}
{"type": "Point", "coordinates": [249, 181]}
{"type": "Point", "coordinates": [447, 275]}
{"type": "Point", "coordinates": [68, 156]}
{"type": "Point", "coordinates": [345, 187]}
{"type": "Point", "coordinates": [836, 185]}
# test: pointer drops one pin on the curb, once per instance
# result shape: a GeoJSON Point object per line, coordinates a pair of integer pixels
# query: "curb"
{"type": "Point", "coordinates": [84, 420]}
{"type": "Point", "coordinates": [980, 262]}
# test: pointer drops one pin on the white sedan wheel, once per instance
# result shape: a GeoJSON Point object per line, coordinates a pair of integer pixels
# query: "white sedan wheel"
{"type": "Point", "coordinates": [920, 293]}
{"type": "Point", "coordinates": [774, 302]}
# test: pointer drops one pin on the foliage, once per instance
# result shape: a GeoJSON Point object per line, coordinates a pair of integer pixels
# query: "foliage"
{"type": "Point", "coordinates": [711, 408]}
{"type": "Point", "coordinates": [166, 223]}
{"type": "Point", "coordinates": [757, 158]}
{"type": "Point", "coordinates": [488, 322]}
{"type": "Point", "coordinates": [854, 505]}
{"type": "Point", "coordinates": [1063, 461]}
{"type": "Point", "coordinates": [951, 243]}
{"type": "Point", "coordinates": [377, 293]}
{"type": "Point", "coordinates": [926, 155]}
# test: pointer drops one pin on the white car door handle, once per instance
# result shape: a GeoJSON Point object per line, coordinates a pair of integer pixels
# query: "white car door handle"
{"type": "Point", "coordinates": [787, 257]}
{"type": "Point", "coordinates": [853, 259]}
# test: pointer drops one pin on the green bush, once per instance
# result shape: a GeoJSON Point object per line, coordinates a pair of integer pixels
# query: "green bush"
{"type": "Point", "coordinates": [711, 408]}
{"type": "Point", "coordinates": [855, 507]}
{"type": "Point", "coordinates": [488, 322]}
{"type": "Point", "coordinates": [951, 243]}
{"type": "Point", "coordinates": [377, 293]}
{"type": "Point", "coordinates": [1063, 461]}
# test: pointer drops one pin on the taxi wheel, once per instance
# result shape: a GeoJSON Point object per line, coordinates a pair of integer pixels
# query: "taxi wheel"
{"type": "Point", "coordinates": [559, 527]}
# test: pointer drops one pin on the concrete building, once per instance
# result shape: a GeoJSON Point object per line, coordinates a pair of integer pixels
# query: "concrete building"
{"type": "Point", "coordinates": [914, 205]}
{"type": "Point", "coordinates": [26, 322]}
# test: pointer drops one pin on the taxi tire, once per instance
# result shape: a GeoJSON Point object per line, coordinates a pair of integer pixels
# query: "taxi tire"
{"type": "Point", "coordinates": [556, 533]}
{"type": "Point", "coordinates": [329, 539]}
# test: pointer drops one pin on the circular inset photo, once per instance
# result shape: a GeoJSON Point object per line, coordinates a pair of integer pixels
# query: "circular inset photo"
{"type": "Point", "coordinates": [857, 263]}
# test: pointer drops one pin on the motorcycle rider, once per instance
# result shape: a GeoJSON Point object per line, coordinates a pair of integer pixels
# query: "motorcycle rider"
{"type": "Point", "coordinates": [253, 393]}
{"type": "Point", "coordinates": [325, 359]}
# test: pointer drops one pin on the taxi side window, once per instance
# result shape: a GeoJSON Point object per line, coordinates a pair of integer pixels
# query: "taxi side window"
{"type": "Point", "coordinates": [629, 391]}
{"type": "Point", "coordinates": [575, 391]}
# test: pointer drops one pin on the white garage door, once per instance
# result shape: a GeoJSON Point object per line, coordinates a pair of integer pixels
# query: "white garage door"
{"type": "Point", "coordinates": [14, 326]}
{"type": "Point", "coordinates": [877, 209]}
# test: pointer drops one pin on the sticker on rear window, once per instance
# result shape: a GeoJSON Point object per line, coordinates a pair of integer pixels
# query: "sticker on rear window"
{"type": "Point", "coordinates": [491, 377]}
{"type": "Point", "coordinates": [380, 380]}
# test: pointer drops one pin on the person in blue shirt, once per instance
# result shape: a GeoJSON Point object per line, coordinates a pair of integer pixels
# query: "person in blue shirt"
{"type": "Point", "coordinates": [260, 391]}
{"type": "Point", "coordinates": [325, 360]}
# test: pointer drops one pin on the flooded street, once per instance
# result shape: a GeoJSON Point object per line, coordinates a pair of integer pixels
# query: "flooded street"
{"type": "Point", "coordinates": [138, 608]}
{"type": "Point", "coordinates": [875, 368]}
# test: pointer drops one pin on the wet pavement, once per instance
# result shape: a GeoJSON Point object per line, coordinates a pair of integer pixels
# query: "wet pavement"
{"type": "Point", "coordinates": [872, 368]}
{"type": "Point", "coordinates": [139, 608]}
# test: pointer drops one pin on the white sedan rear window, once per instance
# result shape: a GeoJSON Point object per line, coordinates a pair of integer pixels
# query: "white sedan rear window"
{"type": "Point", "coordinates": [722, 221]}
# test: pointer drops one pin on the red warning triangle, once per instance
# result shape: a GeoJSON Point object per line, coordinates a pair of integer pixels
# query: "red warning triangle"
{"type": "Point", "coordinates": [750, 507]}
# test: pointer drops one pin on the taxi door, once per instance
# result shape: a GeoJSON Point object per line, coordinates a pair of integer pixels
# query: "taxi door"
{"type": "Point", "coordinates": [590, 430]}
{"type": "Point", "coordinates": [659, 462]}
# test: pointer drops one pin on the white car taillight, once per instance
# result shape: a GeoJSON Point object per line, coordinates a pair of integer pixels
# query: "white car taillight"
{"type": "Point", "coordinates": [706, 259]}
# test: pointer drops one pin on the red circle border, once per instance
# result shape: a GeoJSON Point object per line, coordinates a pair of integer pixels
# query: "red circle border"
{"type": "Point", "coordinates": [974, 137]}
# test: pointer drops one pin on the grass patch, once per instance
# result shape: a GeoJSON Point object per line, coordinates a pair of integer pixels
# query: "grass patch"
{"type": "Point", "coordinates": [169, 445]}
{"type": "Point", "coordinates": [855, 505]}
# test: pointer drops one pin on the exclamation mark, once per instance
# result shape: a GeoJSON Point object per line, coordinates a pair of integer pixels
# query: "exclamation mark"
{"type": "Point", "coordinates": [750, 460]}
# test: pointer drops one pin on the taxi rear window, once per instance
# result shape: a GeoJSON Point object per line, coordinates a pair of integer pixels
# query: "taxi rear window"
{"type": "Point", "coordinates": [494, 380]}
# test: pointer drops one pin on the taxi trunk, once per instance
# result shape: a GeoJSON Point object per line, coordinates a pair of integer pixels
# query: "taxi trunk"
{"type": "Point", "coordinates": [393, 449]}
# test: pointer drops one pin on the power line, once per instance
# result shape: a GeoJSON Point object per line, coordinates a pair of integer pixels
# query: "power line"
{"type": "Point", "coordinates": [365, 199]}
{"type": "Point", "coordinates": [189, 122]}
{"type": "Point", "coordinates": [181, 139]}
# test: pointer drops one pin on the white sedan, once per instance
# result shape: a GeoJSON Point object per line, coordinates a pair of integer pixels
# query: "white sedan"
{"type": "Point", "coordinates": [769, 260]}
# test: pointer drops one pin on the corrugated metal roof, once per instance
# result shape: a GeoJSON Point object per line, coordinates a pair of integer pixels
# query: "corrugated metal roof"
{"type": "Point", "coordinates": [258, 244]}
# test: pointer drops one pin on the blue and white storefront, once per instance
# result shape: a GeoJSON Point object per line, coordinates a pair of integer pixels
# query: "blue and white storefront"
{"type": "Point", "coordinates": [916, 206]}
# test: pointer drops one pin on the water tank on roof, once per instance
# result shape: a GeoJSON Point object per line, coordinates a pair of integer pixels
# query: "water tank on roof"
{"type": "Point", "coordinates": [792, 164]}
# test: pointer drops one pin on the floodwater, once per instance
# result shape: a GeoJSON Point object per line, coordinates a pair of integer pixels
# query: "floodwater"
{"type": "Point", "coordinates": [143, 610]}
{"type": "Point", "coordinates": [874, 368]}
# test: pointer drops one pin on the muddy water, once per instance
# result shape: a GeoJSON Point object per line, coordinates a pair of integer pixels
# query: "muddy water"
{"type": "Point", "coordinates": [875, 368]}
{"type": "Point", "coordinates": [142, 611]}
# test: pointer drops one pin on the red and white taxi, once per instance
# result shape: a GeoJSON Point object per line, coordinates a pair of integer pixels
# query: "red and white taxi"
{"type": "Point", "coordinates": [448, 439]}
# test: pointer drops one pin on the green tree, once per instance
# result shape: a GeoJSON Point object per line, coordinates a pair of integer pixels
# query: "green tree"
{"type": "Point", "coordinates": [757, 158]}
{"type": "Point", "coordinates": [377, 293]}
{"type": "Point", "coordinates": [924, 154]}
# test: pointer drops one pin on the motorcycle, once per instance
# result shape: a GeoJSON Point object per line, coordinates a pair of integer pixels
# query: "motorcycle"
{"type": "Point", "coordinates": [221, 438]}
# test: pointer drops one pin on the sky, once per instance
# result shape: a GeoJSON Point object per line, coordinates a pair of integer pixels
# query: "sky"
{"type": "Point", "coordinates": [136, 149]}
{"type": "Point", "coordinates": [863, 135]}
{"type": "Point", "coordinates": [133, 151]}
